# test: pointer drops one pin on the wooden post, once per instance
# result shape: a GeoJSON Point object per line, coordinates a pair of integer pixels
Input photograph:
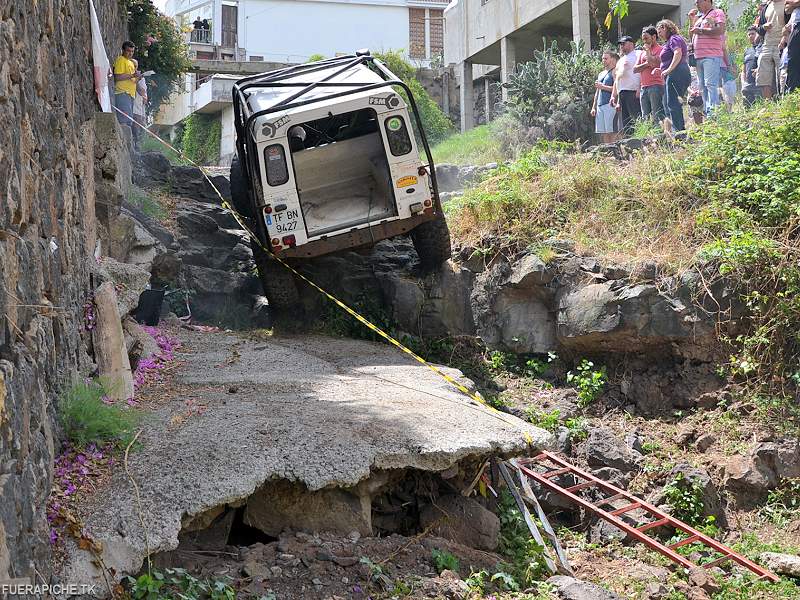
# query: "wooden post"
{"type": "Point", "coordinates": [109, 345]}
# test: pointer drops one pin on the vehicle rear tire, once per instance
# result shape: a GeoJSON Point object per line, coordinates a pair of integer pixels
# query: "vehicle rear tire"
{"type": "Point", "coordinates": [240, 198]}
{"type": "Point", "coordinates": [432, 242]}
{"type": "Point", "coordinates": [278, 282]}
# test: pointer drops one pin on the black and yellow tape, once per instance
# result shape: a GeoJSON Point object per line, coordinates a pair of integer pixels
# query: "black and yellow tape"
{"type": "Point", "coordinates": [363, 320]}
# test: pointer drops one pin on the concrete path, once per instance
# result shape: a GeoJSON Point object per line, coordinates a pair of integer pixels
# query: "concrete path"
{"type": "Point", "coordinates": [319, 410]}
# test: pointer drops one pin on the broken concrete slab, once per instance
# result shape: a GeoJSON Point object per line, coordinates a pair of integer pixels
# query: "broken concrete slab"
{"type": "Point", "coordinates": [326, 413]}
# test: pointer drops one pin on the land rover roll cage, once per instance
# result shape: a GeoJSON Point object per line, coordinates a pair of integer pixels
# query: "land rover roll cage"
{"type": "Point", "coordinates": [276, 79]}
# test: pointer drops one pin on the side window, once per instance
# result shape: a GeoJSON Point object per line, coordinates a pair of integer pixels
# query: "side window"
{"type": "Point", "coordinates": [275, 161]}
{"type": "Point", "coordinates": [397, 136]}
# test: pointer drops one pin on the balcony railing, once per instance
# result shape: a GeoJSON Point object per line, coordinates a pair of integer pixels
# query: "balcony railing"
{"type": "Point", "coordinates": [200, 36]}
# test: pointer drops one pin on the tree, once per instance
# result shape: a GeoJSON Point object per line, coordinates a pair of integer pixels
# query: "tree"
{"type": "Point", "coordinates": [618, 8]}
{"type": "Point", "coordinates": [160, 48]}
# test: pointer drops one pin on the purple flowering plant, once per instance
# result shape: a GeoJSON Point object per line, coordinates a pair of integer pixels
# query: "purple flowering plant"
{"type": "Point", "coordinates": [149, 368]}
{"type": "Point", "coordinates": [73, 471]}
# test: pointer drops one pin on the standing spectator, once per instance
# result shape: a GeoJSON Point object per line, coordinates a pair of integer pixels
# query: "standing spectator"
{"type": "Point", "coordinates": [728, 75]}
{"type": "Point", "coordinates": [675, 70]}
{"type": "Point", "coordinates": [626, 85]}
{"type": "Point", "coordinates": [197, 24]}
{"type": "Point", "coordinates": [140, 109]}
{"type": "Point", "coordinates": [793, 47]}
{"type": "Point", "coordinates": [694, 98]}
{"type": "Point", "coordinates": [603, 112]}
{"type": "Point", "coordinates": [770, 58]}
{"type": "Point", "coordinates": [750, 90]}
{"type": "Point", "coordinates": [125, 77]}
{"type": "Point", "coordinates": [649, 69]}
{"type": "Point", "coordinates": [708, 43]}
{"type": "Point", "coordinates": [205, 25]}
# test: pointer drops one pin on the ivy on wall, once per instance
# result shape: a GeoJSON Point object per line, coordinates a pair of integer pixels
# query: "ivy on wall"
{"type": "Point", "coordinates": [201, 138]}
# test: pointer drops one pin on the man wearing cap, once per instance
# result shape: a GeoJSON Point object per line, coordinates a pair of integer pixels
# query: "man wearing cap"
{"type": "Point", "coordinates": [626, 85]}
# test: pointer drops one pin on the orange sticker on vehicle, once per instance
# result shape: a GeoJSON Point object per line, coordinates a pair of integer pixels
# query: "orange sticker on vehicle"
{"type": "Point", "coordinates": [406, 181]}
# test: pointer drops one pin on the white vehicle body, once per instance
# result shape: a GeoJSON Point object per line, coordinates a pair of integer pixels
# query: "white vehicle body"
{"type": "Point", "coordinates": [333, 165]}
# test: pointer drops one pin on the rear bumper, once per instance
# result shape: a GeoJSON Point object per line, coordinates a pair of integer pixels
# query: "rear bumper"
{"type": "Point", "coordinates": [356, 238]}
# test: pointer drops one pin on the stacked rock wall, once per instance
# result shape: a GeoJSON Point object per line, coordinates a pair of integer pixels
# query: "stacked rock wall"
{"type": "Point", "coordinates": [47, 237]}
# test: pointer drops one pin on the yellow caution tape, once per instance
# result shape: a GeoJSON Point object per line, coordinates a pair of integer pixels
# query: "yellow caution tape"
{"type": "Point", "coordinates": [239, 219]}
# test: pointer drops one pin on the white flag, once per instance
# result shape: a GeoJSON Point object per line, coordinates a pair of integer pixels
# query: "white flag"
{"type": "Point", "coordinates": [102, 68]}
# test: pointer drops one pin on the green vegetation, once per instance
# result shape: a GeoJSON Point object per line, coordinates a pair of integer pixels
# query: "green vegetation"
{"type": "Point", "coordinates": [551, 421]}
{"type": "Point", "coordinates": [728, 198]}
{"type": "Point", "coordinates": [477, 146]}
{"type": "Point", "coordinates": [525, 557]}
{"type": "Point", "coordinates": [783, 503]}
{"type": "Point", "coordinates": [444, 560]}
{"type": "Point", "coordinates": [201, 138]}
{"type": "Point", "coordinates": [589, 382]}
{"type": "Point", "coordinates": [178, 583]}
{"type": "Point", "coordinates": [638, 209]}
{"type": "Point", "coordinates": [316, 58]}
{"type": "Point", "coordinates": [645, 129]}
{"type": "Point", "coordinates": [168, 55]}
{"type": "Point", "coordinates": [685, 497]}
{"type": "Point", "coordinates": [437, 126]}
{"type": "Point", "coordinates": [749, 180]}
{"type": "Point", "coordinates": [551, 92]}
{"type": "Point", "coordinates": [148, 205]}
{"type": "Point", "coordinates": [150, 144]}
{"type": "Point", "coordinates": [87, 419]}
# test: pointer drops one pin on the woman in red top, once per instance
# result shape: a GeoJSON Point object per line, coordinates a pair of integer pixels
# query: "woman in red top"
{"type": "Point", "coordinates": [649, 68]}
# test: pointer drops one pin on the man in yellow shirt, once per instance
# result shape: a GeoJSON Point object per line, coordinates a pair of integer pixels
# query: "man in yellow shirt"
{"type": "Point", "coordinates": [126, 76]}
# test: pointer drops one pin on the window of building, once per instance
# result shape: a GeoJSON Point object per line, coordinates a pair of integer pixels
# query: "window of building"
{"type": "Point", "coordinates": [416, 32]}
{"type": "Point", "coordinates": [437, 32]}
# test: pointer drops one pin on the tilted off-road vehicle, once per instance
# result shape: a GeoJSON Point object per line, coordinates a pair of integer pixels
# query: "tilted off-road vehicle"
{"type": "Point", "coordinates": [327, 159]}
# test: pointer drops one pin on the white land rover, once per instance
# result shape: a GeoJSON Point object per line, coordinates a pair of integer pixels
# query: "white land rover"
{"type": "Point", "coordinates": [327, 159]}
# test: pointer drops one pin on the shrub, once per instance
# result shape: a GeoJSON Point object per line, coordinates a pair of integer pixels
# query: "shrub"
{"type": "Point", "coordinates": [476, 146]}
{"type": "Point", "coordinates": [178, 583]}
{"type": "Point", "coordinates": [201, 138]}
{"type": "Point", "coordinates": [552, 94]}
{"type": "Point", "coordinates": [444, 560]}
{"type": "Point", "coordinates": [168, 56]}
{"type": "Point", "coordinates": [87, 419]}
{"type": "Point", "coordinates": [748, 169]}
{"type": "Point", "coordinates": [526, 557]}
{"type": "Point", "coordinates": [685, 498]}
{"type": "Point", "coordinates": [436, 124]}
{"type": "Point", "coordinates": [590, 382]}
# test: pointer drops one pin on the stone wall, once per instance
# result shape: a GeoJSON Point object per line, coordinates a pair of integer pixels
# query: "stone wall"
{"type": "Point", "coordinates": [47, 236]}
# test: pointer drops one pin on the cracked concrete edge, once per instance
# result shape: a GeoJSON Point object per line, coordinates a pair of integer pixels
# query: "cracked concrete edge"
{"type": "Point", "coordinates": [129, 558]}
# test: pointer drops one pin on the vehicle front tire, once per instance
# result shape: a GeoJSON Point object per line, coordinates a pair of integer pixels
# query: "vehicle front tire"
{"type": "Point", "coordinates": [240, 197]}
{"type": "Point", "coordinates": [432, 242]}
{"type": "Point", "coordinates": [278, 282]}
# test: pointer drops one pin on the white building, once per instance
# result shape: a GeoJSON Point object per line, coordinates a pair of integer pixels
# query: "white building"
{"type": "Point", "coordinates": [244, 35]}
{"type": "Point", "coordinates": [292, 30]}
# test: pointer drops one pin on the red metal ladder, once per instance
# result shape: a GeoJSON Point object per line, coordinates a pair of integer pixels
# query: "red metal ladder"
{"type": "Point", "coordinates": [631, 503]}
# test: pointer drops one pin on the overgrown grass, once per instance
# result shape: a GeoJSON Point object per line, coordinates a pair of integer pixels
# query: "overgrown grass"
{"type": "Point", "coordinates": [639, 210]}
{"type": "Point", "coordinates": [477, 146]}
{"type": "Point", "coordinates": [148, 205]}
{"type": "Point", "coordinates": [150, 144]}
{"type": "Point", "coordinates": [87, 419]}
{"type": "Point", "coordinates": [727, 198]}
